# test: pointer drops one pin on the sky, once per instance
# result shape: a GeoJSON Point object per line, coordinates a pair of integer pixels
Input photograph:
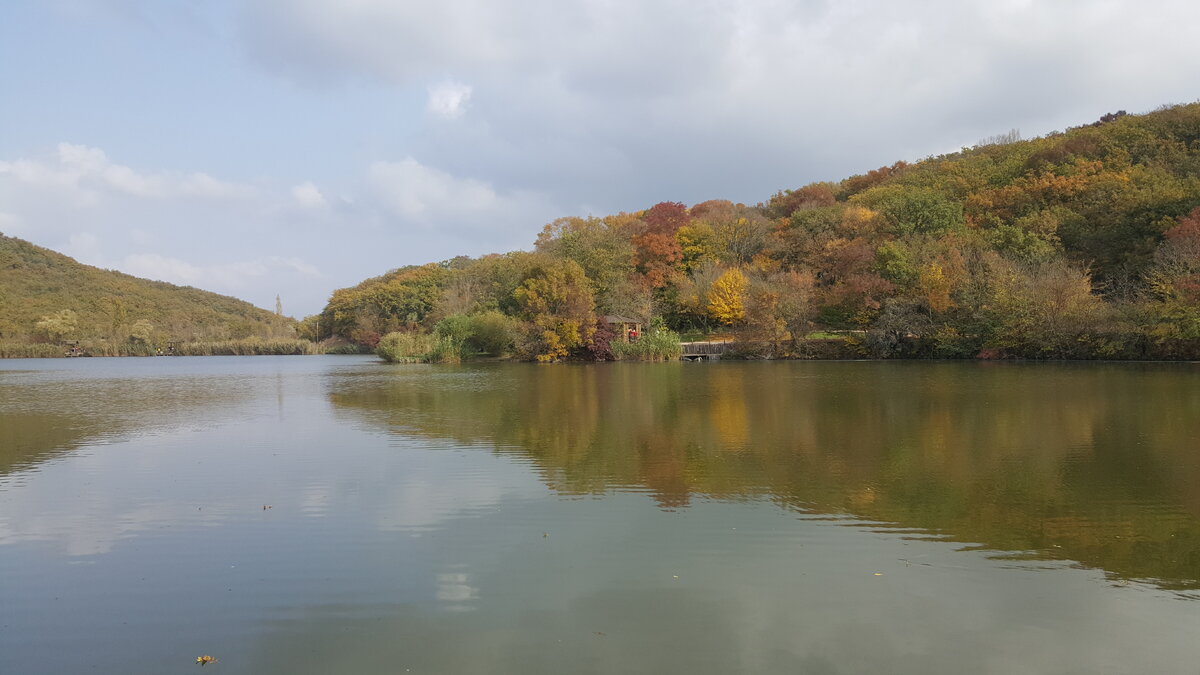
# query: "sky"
{"type": "Point", "coordinates": [258, 148]}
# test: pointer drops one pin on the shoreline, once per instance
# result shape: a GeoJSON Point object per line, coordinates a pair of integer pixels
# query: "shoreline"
{"type": "Point", "coordinates": [487, 360]}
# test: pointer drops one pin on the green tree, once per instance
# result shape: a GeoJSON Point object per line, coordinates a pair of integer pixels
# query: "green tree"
{"type": "Point", "coordinates": [492, 333]}
{"type": "Point", "coordinates": [141, 331]}
{"type": "Point", "coordinates": [1047, 310]}
{"type": "Point", "coordinates": [117, 315]}
{"type": "Point", "coordinates": [308, 328]}
{"type": "Point", "coordinates": [556, 301]}
{"type": "Point", "coordinates": [910, 210]}
{"type": "Point", "coordinates": [601, 247]}
{"type": "Point", "coordinates": [58, 326]}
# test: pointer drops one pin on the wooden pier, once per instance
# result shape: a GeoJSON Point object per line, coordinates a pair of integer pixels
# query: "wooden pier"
{"type": "Point", "coordinates": [704, 351]}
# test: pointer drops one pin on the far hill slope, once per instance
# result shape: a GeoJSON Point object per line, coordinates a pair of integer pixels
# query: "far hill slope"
{"type": "Point", "coordinates": [36, 282]}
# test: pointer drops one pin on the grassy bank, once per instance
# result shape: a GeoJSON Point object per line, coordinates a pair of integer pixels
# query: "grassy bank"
{"type": "Point", "coordinates": [249, 347]}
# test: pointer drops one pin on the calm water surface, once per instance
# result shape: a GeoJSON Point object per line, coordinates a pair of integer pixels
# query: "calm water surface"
{"type": "Point", "coordinates": [338, 515]}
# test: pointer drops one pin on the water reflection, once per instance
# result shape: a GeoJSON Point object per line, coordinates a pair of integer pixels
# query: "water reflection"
{"type": "Point", "coordinates": [48, 409]}
{"type": "Point", "coordinates": [317, 515]}
{"type": "Point", "coordinates": [1090, 463]}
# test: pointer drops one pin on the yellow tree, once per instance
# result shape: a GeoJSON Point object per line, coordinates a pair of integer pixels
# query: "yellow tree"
{"type": "Point", "coordinates": [727, 297]}
{"type": "Point", "coordinates": [935, 286]}
{"type": "Point", "coordinates": [556, 301]}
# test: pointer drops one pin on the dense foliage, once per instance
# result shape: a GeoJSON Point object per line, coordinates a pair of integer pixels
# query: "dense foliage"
{"type": "Point", "coordinates": [1080, 244]}
{"type": "Point", "coordinates": [47, 298]}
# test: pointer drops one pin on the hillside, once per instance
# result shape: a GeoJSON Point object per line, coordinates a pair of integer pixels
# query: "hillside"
{"type": "Point", "coordinates": [102, 306]}
{"type": "Point", "coordinates": [1080, 244]}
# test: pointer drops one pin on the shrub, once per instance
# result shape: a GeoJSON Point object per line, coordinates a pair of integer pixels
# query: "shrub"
{"type": "Point", "coordinates": [657, 344]}
{"type": "Point", "coordinates": [457, 328]}
{"type": "Point", "coordinates": [404, 347]}
{"type": "Point", "coordinates": [492, 333]}
{"type": "Point", "coordinates": [599, 348]}
{"type": "Point", "coordinates": [346, 348]}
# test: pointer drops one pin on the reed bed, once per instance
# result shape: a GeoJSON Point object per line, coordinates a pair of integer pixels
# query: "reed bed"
{"type": "Point", "coordinates": [419, 348]}
{"type": "Point", "coordinates": [250, 347]}
{"type": "Point", "coordinates": [247, 348]}
{"type": "Point", "coordinates": [18, 350]}
{"type": "Point", "coordinates": [656, 345]}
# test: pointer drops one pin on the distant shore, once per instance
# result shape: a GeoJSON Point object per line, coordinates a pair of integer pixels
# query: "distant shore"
{"type": "Point", "coordinates": [84, 349]}
{"type": "Point", "coordinates": [812, 349]}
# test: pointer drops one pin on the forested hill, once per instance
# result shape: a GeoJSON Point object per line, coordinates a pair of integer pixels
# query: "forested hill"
{"type": "Point", "coordinates": [47, 297]}
{"type": "Point", "coordinates": [1083, 243]}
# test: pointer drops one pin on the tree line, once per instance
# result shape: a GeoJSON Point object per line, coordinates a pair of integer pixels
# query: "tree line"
{"type": "Point", "coordinates": [1079, 244]}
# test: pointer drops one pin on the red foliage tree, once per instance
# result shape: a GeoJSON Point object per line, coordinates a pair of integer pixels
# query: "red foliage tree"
{"type": "Point", "coordinates": [658, 251]}
{"type": "Point", "coordinates": [1177, 272]}
{"type": "Point", "coordinates": [784, 204]}
{"type": "Point", "coordinates": [856, 184]}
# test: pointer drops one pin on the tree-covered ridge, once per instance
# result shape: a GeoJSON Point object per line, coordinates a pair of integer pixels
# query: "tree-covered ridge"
{"type": "Point", "coordinates": [48, 297]}
{"type": "Point", "coordinates": [1083, 243]}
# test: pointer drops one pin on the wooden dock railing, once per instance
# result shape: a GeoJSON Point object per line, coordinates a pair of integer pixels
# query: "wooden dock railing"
{"type": "Point", "coordinates": [704, 350]}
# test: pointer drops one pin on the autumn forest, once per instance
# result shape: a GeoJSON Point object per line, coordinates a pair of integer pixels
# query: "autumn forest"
{"type": "Point", "coordinates": [1083, 244]}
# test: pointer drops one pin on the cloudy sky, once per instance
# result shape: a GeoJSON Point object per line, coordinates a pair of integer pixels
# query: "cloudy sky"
{"type": "Point", "coordinates": [291, 147]}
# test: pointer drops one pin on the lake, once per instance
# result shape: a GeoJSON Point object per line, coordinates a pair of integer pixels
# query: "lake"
{"type": "Point", "coordinates": [330, 514]}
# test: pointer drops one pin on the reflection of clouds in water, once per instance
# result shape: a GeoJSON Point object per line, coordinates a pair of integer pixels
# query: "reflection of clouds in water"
{"type": "Point", "coordinates": [98, 529]}
{"type": "Point", "coordinates": [455, 591]}
{"type": "Point", "coordinates": [106, 494]}
{"type": "Point", "coordinates": [315, 500]}
{"type": "Point", "coordinates": [429, 498]}
{"type": "Point", "coordinates": [172, 483]}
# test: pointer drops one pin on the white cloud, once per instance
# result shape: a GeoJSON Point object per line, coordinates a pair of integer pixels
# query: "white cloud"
{"type": "Point", "coordinates": [205, 186]}
{"type": "Point", "coordinates": [427, 196]}
{"type": "Point", "coordinates": [449, 99]}
{"type": "Point", "coordinates": [82, 245]}
{"type": "Point", "coordinates": [84, 173]}
{"type": "Point", "coordinates": [224, 277]}
{"type": "Point", "coordinates": [162, 268]}
{"type": "Point", "coordinates": [307, 195]}
{"type": "Point", "coordinates": [9, 222]}
{"type": "Point", "coordinates": [626, 102]}
{"type": "Point", "coordinates": [415, 191]}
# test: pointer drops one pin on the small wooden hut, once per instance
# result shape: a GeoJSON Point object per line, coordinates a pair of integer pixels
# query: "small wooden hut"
{"type": "Point", "coordinates": [627, 329]}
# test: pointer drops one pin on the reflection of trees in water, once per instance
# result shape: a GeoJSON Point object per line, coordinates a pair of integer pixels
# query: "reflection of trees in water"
{"type": "Point", "coordinates": [1091, 463]}
{"type": "Point", "coordinates": [27, 439]}
{"type": "Point", "coordinates": [42, 420]}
